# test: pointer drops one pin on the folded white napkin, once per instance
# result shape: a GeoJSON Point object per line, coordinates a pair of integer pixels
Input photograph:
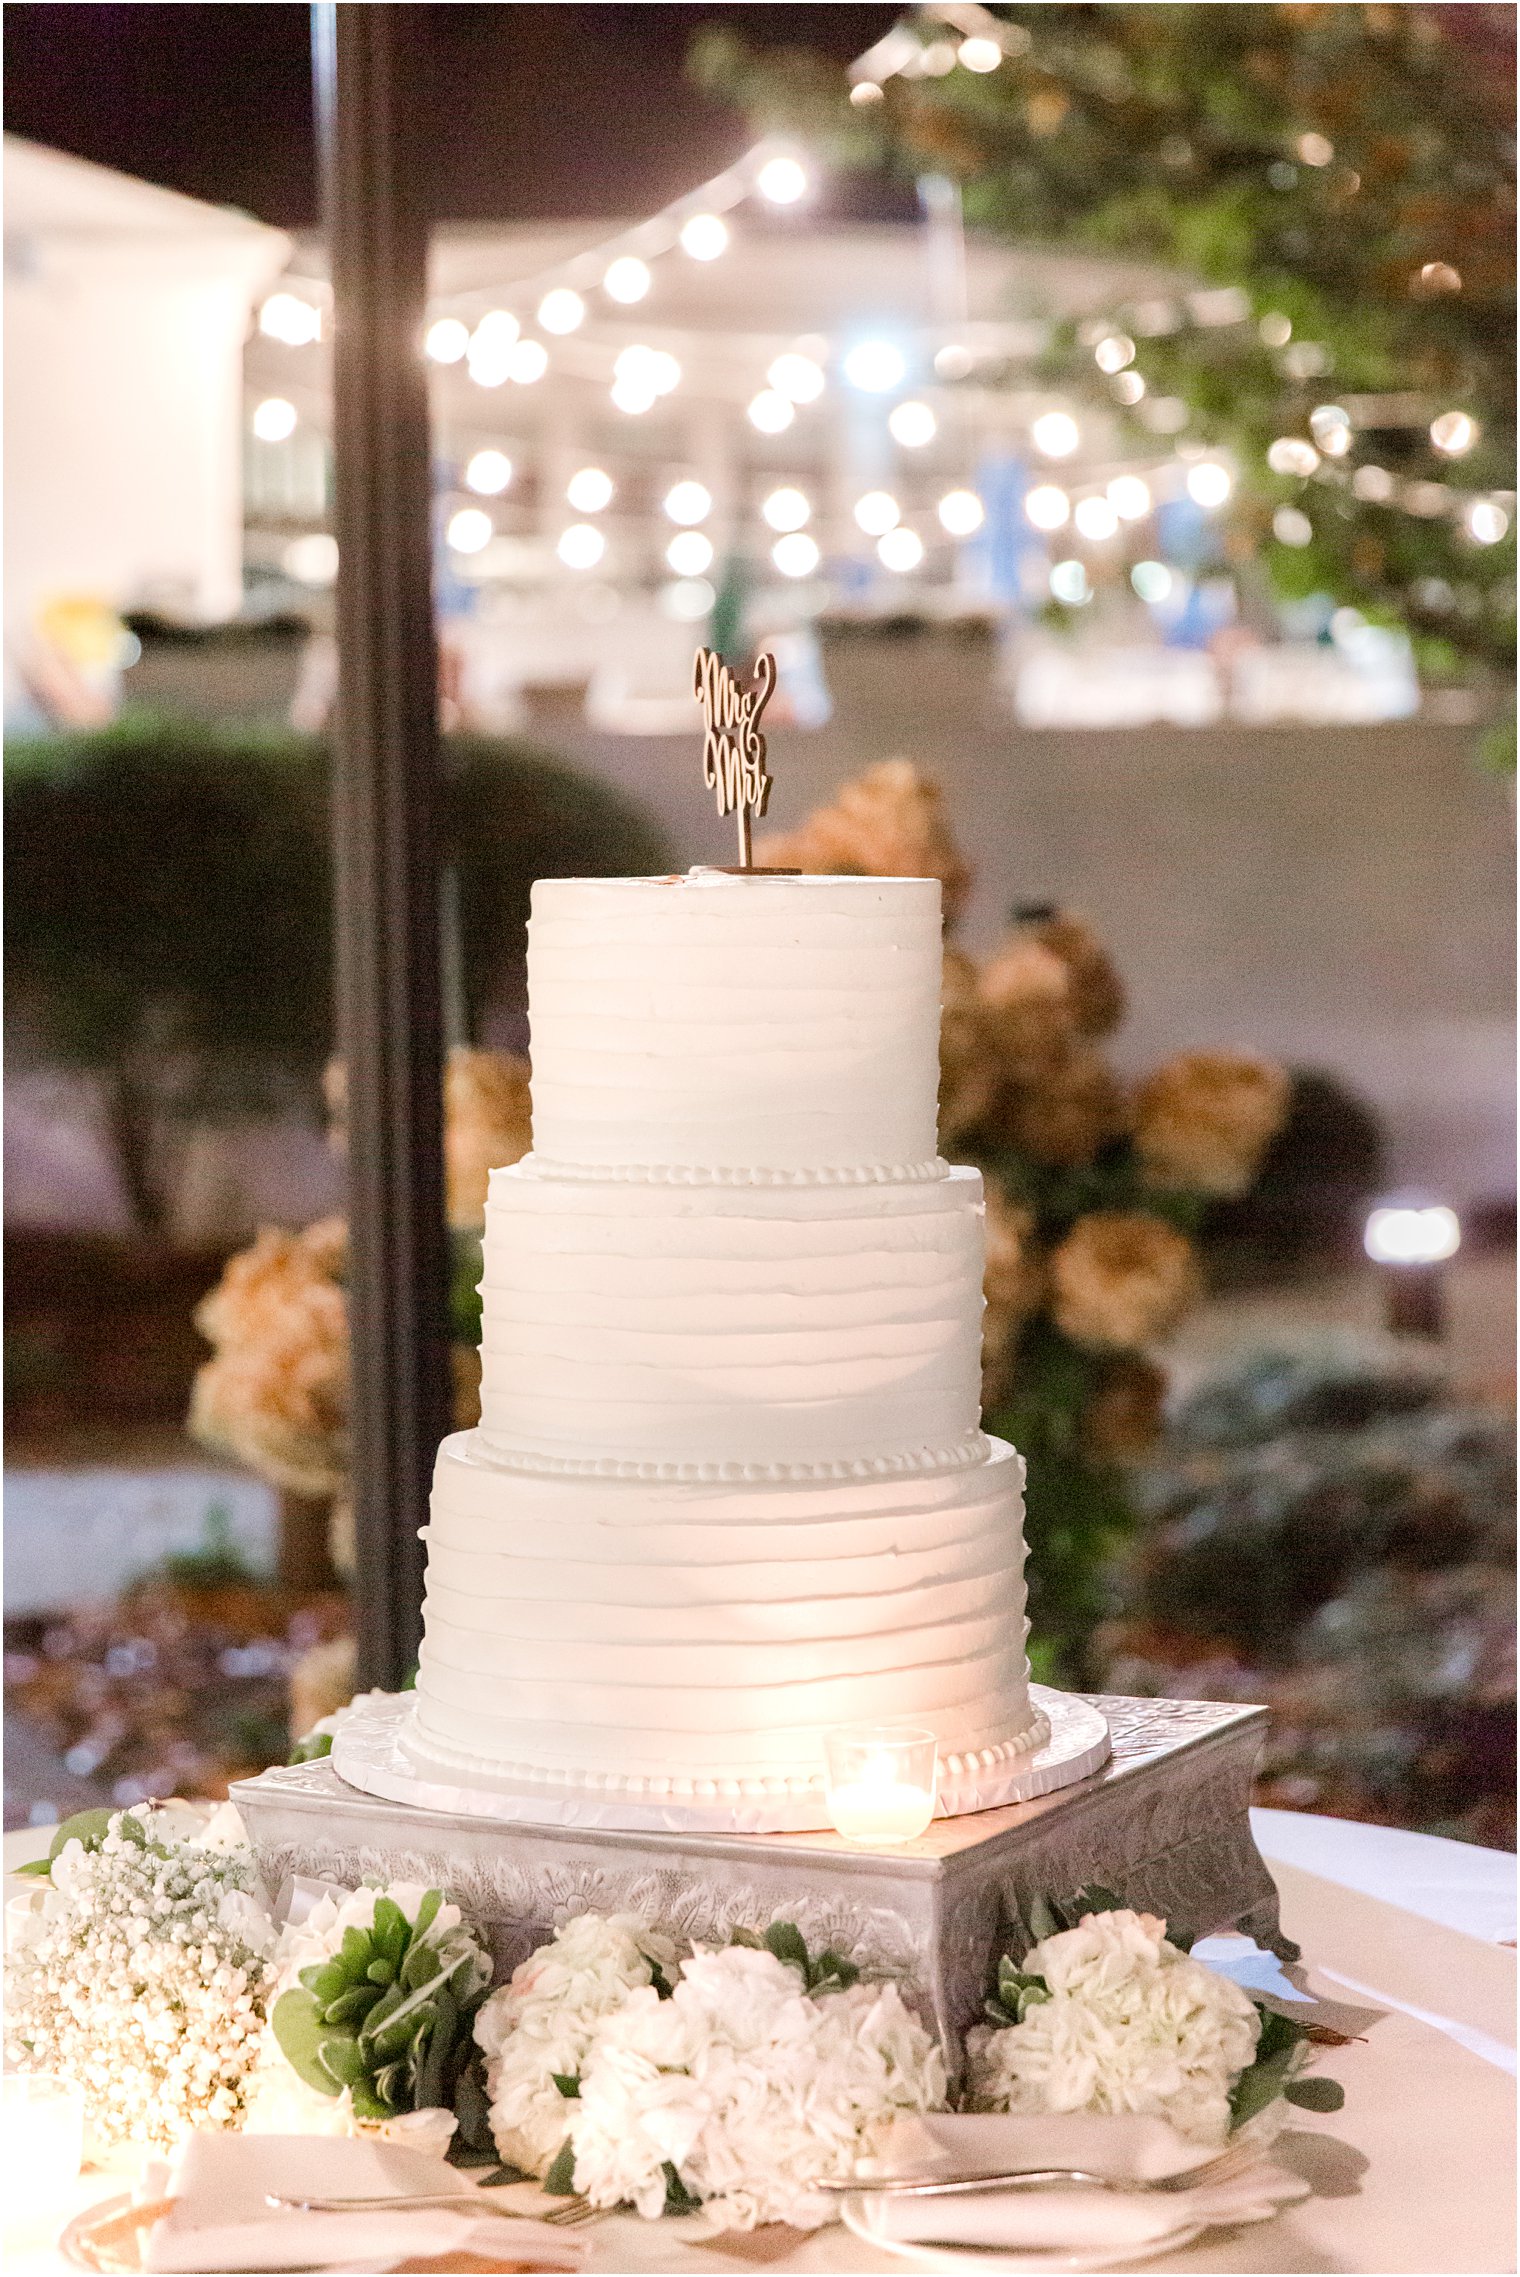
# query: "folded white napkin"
{"type": "Point", "coordinates": [220, 2220]}
{"type": "Point", "coordinates": [1124, 2147]}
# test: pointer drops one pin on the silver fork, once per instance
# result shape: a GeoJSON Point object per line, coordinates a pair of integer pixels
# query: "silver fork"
{"type": "Point", "coordinates": [1217, 2169]}
{"type": "Point", "coordinates": [568, 2214]}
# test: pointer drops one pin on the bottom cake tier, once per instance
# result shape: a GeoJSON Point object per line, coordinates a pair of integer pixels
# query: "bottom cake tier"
{"type": "Point", "coordinates": [669, 1637]}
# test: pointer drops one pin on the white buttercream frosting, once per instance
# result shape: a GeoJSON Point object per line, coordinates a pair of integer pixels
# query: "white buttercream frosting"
{"type": "Point", "coordinates": [735, 1023]}
{"type": "Point", "coordinates": [730, 1486]}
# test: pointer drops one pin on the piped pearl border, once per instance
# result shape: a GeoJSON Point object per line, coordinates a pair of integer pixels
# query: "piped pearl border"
{"type": "Point", "coordinates": [694, 1174]}
{"type": "Point", "coordinates": [959, 1455]}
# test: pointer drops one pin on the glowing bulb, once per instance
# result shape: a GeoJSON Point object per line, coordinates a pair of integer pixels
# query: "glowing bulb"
{"type": "Point", "coordinates": [470, 530]}
{"type": "Point", "coordinates": [1276, 329]}
{"type": "Point", "coordinates": [1398, 1235]}
{"type": "Point", "coordinates": [1331, 428]}
{"type": "Point", "coordinates": [651, 371]}
{"type": "Point", "coordinates": [688, 501]}
{"type": "Point", "coordinates": [589, 490]}
{"type": "Point", "coordinates": [274, 419]}
{"type": "Point", "coordinates": [1111, 355]}
{"type": "Point", "coordinates": [1374, 483]}
{"type": "Point", "coordinates": [1047, 507]}
{"type": "Point", "coordinates": [877, 513]}
{"type": "Point", "coordinates": [1290, 454]}
{"type": "Point", "coordinates": [581, 546]}
{"type": "Point", "coordinates": [311, 560]}
{"type": "Point", "coordinates": [689, 600]}
{"type": "Point", "coordinates": [782, 181]}
{"type": "Point", "coordinates": [704, 237]}
{"type": "Point", "coordinates": [913, 425]}
{"type": "Point", "coordinates": [961, 513]}
{"type": "Point", "coordinates": [1055, 435]}
{"type": "Point", "coordinates": [1315, 149]}
{"type": "Point", "coordinates": [492, 346]}
{"type": "Point", "coordinates": [1292, 527]}
{"type": "Point", "coordinates": [1068, 583]}
{"type": "Point", "coordinates": [1454, 433]}
{"type": "Point", "coordinates": [488, 472]}
{"type": "Point", "coordinates": [977, 54]}
{"type": "Point", "coordinates": [771, 412]}
{"type": "Point", "coordinates": [627, 280]}
{"type": "Point", "coordinates": [447, 340]}
{"type": "Point", "coordinates": [528, 362]}
{"type": "Point", "coordinates": [689, 553]}
{"type": "Point", "coordinates": [1128, 388]}
{"type": "Point", "coordinates": [1095, 518]}
{"type": "Point", "coordinates": [875, 367]}
{"type": "Point", "coordinates": [797, 377]}
{"type": "Point", "coordinates": [561, 310]}
{"type": "Point", "coordinates": [937, 58]}
{"type": "Point", "coordinates": [787, 509]}
{"type": "Point", "coordinates": [288, 318]}
{"type": "Point", "coordinates": [628, 396]}
{"type": "Point", "coordinates": [1152, 580]}
{"type": "Point", "coordinates": [900, 549]}
{"type": "Point", "coordinates": [866, 91]}
{"type": "Point", "coordinates": [795, 555]}
{"type": "Point", "coordinates": [1209, 484]}
{"type": "Point", "coordinates": [1486, 522]}
{"type": "Point", "coordinates": [954, 362]}
{"type": "Point", "coordinates": [1129, 497]}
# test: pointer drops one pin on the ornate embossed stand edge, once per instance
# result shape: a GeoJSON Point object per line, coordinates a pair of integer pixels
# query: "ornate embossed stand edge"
{"type": "Point", "coordinates": [1163, 1823]}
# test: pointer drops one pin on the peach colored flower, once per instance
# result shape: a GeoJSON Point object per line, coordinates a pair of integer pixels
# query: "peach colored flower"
{"type": "Point", "coordinates": [1123, 1417]}
{"type": "Point", "coordinates": [1072, 1109]}
{"type": "Point", "coordinates": [275, 1392]}
{"type": "Point", "coordinates": [885, 823]}
{"type": "Point", "coordinates": [1097, 993]}
{"type": "Point", "coordinates": [1205, 1119]}
{"type": "Point", "coordinates": [1121, 1279]}
{"type": "Point", "coordinates": [970, 1074]}
{"type": "Point", "coordinates": [487, 1123]}
{"type": "Point", "coordinates": [1026, 992]}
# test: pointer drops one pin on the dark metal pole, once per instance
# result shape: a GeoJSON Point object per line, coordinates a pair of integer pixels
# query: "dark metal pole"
{"type": "Point", "coordinates": [385, 773]}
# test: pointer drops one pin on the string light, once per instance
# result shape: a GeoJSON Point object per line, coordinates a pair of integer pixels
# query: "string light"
{"type": "Point", "coordinates": [1209, 484]}
{"type": "Point", "coordinates": [912, 424]}
{"type": "Point", "coordinates": [1292, 527]}
{"type": "Point", "coordinates": [488, 473]}
{"type": "Point", "coordinates": [865, 91]}
{"type": "Point", "coordinates": [704, 237]}
{"type": "Point", "coordinates": [953, 362]}
{"type": "Point", "coordinates": [1055, 435]}
{"type": "Point", "coordinates": [1290, 454]}
{"type": "Point", "coordinates": [312, 559]}
{"type": "Point", "coordinates": [1315, 149]}
{"type": "Point", "coordinates": [447, 341]}
{"type": "Point", "coordinates": [1331, 428]}
{"type": "Point", "coordinates": [1275, 329]}
{"type": "Point", "coordinates": [492, 345]}
{"type": "Point", "coordinates": [470, 530]}
{"type": "Point", "coordinates": [1152, 580]}
{"type": "Point", "coordinates": [1096, 519]}
{"type": "Point", "coordinates": [877, 512]}
{"type": "Point", "coordinates": [961, 513]}
{"type": "Point", "coordinates": [1374, 484]}
{"type": "Point", "coordinates": [688, 501]}
{"type": "Point", "coordinates": [797, 377]}
{"type": "Point", "coordinates": [581, 546]}
{"type": "Point", "coordinates": [937, 59]}
{"type": "Point", "coordinates": [295, 322]}
{"type": "Point", "coordinates": [1068, 583]}
{"type": "Point", "coordinates": [640, 374]}
{"type": "Point", "coordinates": [274, 420]}
{"type": "Point", "coordinates": [1486, 522]}
{"type": "Point", "coordinates": [627, 280]}
{"type": "Point", "coordinates": [1047, 507]}
{"type": "Point", "coordinates": [688, 601]}
{"type": "Point", "coordinates": [795, 555]}
{"type": "Point", "coordinates": [689, 553]}
{"type": "Point", "coordinates": [787, 509]}
{"type": "Point", "coordinates": [528, 362]}
{"type": "Point", "coordinates": [1127, 389]}
{"type": "Point", "coordinates": [771, 412]}
{"type": "Point", "coordinates": [875, 367]}
{"type": "Point", "coordinates": [1454, 433]}
{"type": "Point", "coordinates": [589, 490]}
{"type": "Point", "coordinates": [561, 310]}
{"type": "Point", "coordinates": [900, 550]}
{"type": "Point", "coordinates": [976, 54]}
{"type": "Point", "coordinates": [1113, 353]}
{"type": "Point", "coordinates": [1130, 497]}
{"type": "Point", "coordinates": [782, 181]}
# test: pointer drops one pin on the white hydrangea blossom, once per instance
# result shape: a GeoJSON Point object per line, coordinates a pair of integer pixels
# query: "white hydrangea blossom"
{"type": "Point", "coordinates": [1131, 2024]}
{"type": "Point", "coordinates": [544, 2019]}
{"type": "Point", "coordinates": [751, 2088]}
{"type": "Point", "coordinates": [141, 1971]}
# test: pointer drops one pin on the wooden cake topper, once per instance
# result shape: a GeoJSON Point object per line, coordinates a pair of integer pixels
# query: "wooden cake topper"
{"type": "Point", "coordinates": [733, 749]}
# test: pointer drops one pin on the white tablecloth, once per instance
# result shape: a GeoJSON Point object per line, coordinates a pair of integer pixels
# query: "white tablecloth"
{"type": "Point", "coordinates": [1416, 2174]}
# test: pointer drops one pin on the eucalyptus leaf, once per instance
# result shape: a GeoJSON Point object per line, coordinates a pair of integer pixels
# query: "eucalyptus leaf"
{"type": "Point", "coordinates": [1043, 1920]}
{"type": "Point", "coordinates": [299, 2029]}
{"type": "Point", "coordinates": [786, 1941]}
{"type": "Point", "coordinates": [339, 2054]}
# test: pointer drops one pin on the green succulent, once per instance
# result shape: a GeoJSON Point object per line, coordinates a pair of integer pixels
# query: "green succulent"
{"type": "Point", "coordinates": [388, 2015]}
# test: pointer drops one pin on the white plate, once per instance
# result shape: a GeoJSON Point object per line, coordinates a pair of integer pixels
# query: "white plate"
{"type": "Point", "coordinates": [1046, 2261]}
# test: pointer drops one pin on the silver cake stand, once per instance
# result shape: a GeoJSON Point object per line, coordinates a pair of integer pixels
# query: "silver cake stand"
{"type": "Point", "coordinates": [378, 1750]}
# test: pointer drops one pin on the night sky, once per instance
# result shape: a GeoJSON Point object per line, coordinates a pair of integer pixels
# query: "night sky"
{"type": "Point", "coordinates": [554, 111]}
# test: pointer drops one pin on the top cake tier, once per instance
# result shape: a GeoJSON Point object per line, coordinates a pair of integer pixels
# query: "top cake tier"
{"type": "Point", "coordinates": [723, 1025]}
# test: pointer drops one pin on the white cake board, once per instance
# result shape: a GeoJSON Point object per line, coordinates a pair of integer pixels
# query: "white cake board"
{"type": "Point", "coordinates": [377, 1750]}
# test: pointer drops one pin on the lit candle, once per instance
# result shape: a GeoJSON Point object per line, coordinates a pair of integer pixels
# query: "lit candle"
{"type": "Point", "coordinates": [42, 2145]}
{"type": "Point", "coordinates": [882, 1782]}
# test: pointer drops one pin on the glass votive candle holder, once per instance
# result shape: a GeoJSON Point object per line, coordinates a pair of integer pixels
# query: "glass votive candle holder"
{"type": "Point", "coordinates": [882, 1782]}
{"type": "Point", "coordinates": [41, 2152]}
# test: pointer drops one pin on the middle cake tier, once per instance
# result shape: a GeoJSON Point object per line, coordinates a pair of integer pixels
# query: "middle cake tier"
{"type": "Point", "coordinates": [722, 1331]}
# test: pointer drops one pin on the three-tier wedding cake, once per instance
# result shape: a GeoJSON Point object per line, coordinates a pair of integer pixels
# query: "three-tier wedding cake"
{"type": "Point", "coordinates": [729, 1487]}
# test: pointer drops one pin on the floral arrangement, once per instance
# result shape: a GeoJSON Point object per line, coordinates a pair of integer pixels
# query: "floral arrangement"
{"type": "Point", "coordinates": [1096, 1189]}
{"type": "Point", "coordinates": [616, 2062]}
{"type": "Point", "coordinates": [141, 1972]}
{"type": "Point", "coordinates": [1106, 2012]}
